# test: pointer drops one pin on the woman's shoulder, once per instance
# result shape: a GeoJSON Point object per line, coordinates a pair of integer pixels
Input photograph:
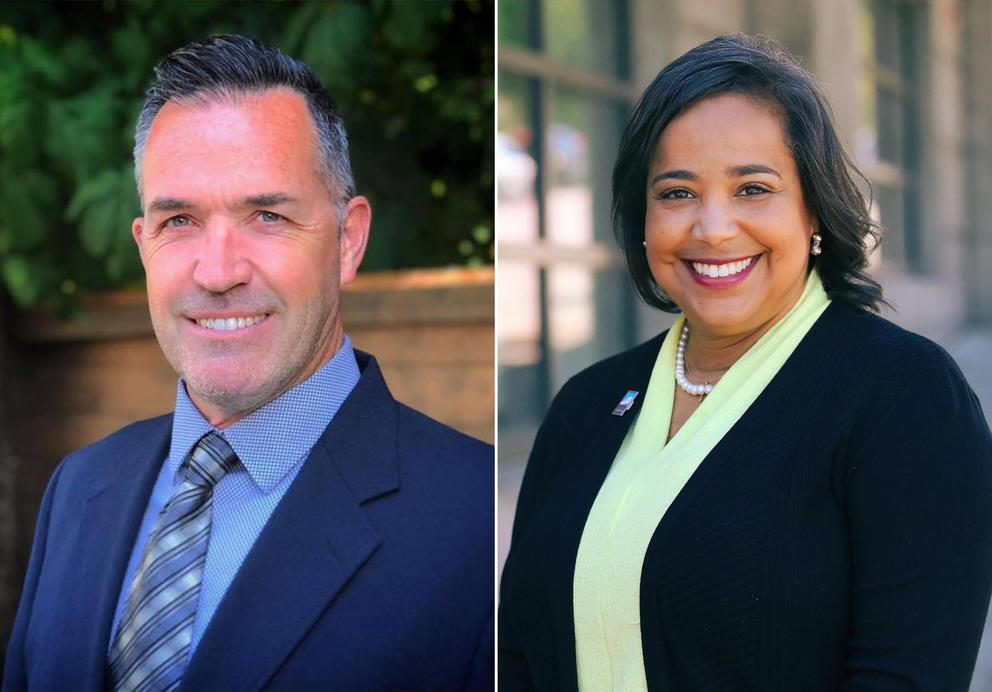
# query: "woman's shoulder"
{"type": "Point", "coordinates": [633, 359]}
{"type": "Point", "coordinates": [875, 340]}
{"type": "Point", "coordinates": [881, 368]}
{"type": "Point", "coordinates": [627, 370]}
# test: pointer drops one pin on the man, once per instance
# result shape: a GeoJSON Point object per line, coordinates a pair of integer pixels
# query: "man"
{"type": "Point", "coordinates": [290, 526]}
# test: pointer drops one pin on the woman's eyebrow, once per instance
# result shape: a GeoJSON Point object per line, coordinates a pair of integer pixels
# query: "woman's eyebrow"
{"type": "Point", "coordinates": [733, 171]}
{"type": "Point", "coordinates": [677, 174]}
{"type": "Point", "coordinates": [751, 169]}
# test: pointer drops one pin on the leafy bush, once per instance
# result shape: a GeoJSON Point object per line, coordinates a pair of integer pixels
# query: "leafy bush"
{"type": "Point", "coordinates": [414, 81]}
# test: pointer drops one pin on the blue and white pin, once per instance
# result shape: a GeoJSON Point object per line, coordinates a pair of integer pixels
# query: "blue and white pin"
{"type": "Point", "coordinates": [625, 403]}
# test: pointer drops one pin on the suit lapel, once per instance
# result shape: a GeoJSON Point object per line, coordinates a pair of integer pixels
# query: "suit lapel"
{"type": "Point", "coordinates": [314, 543]}
{"type": "Point", "coordinates": [110, 523]}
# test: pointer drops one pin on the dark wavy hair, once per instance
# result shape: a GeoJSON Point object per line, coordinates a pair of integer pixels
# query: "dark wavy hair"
{"type": "Point", "coordinates": [761, 69]}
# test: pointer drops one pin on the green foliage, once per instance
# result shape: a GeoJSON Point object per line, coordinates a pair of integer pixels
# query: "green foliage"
{"type": "Point", "coordinates": [414, 81]}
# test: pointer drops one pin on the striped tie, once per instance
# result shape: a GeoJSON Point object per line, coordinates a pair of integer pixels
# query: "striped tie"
{"type": "Point", "coordinates": [152, 644]}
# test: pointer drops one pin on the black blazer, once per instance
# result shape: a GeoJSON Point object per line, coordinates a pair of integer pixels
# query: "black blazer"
{"type": "Point", "coordinates": [840, 534]}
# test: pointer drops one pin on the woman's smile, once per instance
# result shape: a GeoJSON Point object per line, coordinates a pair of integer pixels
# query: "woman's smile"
{"type": "Point", "coordinates": [719, 273]}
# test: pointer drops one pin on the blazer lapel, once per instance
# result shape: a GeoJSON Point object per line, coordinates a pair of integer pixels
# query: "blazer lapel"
{"type": "Point", "coordinates": [604, 426]}
{"type": "Point", "coordinates": [99, 555]}
{"type": "Point", "coordinates": [314, 543]}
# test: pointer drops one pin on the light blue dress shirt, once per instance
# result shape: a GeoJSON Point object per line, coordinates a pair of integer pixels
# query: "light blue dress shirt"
{"type": "Point", "coordinates": [271, 443]}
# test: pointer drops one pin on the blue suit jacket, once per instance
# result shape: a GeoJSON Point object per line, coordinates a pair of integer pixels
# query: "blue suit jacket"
{"type": "Point", "coordinates": [374, 572]}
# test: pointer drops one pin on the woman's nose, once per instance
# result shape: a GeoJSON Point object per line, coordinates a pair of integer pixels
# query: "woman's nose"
{"type": "Point", "coordinates": [715, 224]}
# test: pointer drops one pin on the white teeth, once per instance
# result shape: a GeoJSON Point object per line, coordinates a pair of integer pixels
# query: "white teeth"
{"type": "Point", "coordinates": [230, 323]}
{"type": "Point", "coordinates": [720, 270]}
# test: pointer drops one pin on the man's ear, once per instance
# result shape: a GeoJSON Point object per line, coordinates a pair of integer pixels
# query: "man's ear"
{"type": "Point", "coordinates": [353, 236]}
{"type": "Point", "coordinates": [137, 232]}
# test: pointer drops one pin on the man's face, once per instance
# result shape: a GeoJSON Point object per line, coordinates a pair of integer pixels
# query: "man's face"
{"type": "Point", "coordinates": [241, 247]}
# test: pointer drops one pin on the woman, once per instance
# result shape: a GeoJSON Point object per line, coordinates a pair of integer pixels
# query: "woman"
{"type": "Point", "coordinates": [792, 493]}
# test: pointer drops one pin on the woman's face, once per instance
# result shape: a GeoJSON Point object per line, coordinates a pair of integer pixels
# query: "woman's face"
{"type": "Point", "coordinates": [727, 230]}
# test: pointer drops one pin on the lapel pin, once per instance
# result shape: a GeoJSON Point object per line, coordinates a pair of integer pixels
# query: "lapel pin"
{"type": "Point", "coordinates": [625, 403]}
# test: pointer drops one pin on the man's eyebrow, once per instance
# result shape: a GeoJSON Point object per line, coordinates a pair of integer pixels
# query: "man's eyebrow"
{"type": "Point", "coordinates": [170, 204]}
{"type": "Point", "coordinates": [751, 169]}
{"type": "Point", "coordinates": [677, 174]}
{"type": "Point", "coordinates": [268, 199]}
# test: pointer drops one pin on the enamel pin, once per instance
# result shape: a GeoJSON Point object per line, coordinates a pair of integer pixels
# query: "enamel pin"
{"type": "Point", "coordinates": [625, 403]}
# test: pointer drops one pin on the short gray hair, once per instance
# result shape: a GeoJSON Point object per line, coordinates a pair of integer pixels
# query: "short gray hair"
{"type": "Point", "coordinates": [229, 66]}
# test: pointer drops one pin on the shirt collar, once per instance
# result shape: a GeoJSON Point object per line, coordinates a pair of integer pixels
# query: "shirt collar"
{"type": "Point", "coordinates": [273, 439]}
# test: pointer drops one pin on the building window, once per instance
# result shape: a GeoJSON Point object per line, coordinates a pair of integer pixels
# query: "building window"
{"type": "Point", "coordinates": [887, 140]}
{"type": "Point", "coordinates": [563, 296]}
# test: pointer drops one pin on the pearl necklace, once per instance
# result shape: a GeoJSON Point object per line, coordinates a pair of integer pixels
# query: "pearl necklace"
{"type": "Point", "coordinates": [687, 386]}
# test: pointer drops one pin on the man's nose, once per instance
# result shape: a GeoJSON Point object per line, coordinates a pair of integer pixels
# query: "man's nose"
{"type": "Point", "coordinates": [716, 223]}
{"type": "Point", "coordinates": [221, 262]}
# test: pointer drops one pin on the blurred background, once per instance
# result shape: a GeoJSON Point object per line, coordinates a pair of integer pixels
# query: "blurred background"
{"type": "Point", "coordinates": [910, 82]}
{"type": "Point", "coordinates": [414, 82]}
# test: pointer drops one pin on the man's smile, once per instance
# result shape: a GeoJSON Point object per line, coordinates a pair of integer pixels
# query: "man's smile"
{"type": "Point", "coordinates": [230, 323]}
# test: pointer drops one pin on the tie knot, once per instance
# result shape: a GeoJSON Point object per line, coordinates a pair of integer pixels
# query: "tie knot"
{"type": "Point", "coordinates": [210, 459]}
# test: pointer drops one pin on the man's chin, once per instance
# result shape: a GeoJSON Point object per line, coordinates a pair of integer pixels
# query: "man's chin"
{"type": "Point", "coordinates": [221, 398]}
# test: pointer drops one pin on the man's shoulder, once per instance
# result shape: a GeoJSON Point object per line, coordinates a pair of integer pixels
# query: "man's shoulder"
{"type": "Point", "coordinates": [421, 428]}
{"type": "Point", "coordinates": [445, 474]}
{"type": "Point", "coordinates": [138, 433]}
{"type": "Point", "coordinates": [417, 433]}
{"type": "Point", "coordinates": [106, 451]}
{"type": "Point", "coordinates": [449, 450]}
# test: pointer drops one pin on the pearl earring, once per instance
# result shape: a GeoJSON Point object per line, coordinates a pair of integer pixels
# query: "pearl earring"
{"type": "Point", "coordinates": [644, 243]}
{"type": "Point", "coordinates": [816, 249]}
